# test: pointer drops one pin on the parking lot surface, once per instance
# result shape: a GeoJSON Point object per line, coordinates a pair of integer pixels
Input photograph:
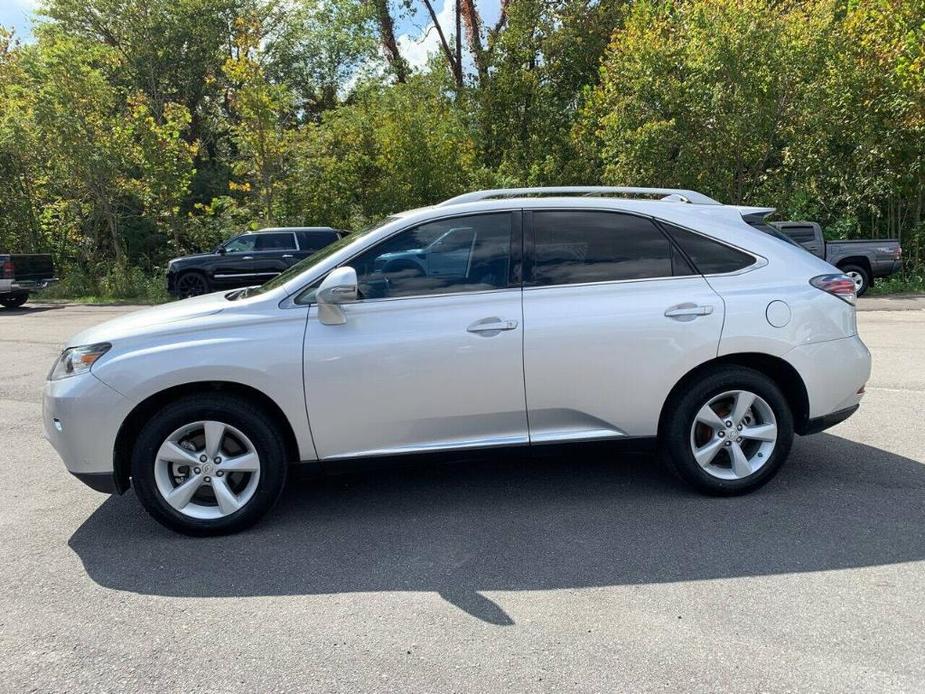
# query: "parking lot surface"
{"type": "Point", "coordinates": [511, 574]}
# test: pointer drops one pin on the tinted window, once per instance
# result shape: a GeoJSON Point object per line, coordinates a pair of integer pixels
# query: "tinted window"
{"type": "Point", "coordinates": [710, 257]}
{"type": "Point", "coordinates": [275, 242]}
{"type": "Point", "coordinates": [462, 254]}
{"type": "Point", "coordinates": [800, 234]}
{"type": "Point", "coordinates": [316, 240]}
{"type": "Point", "coordinates": [242, 244]}
{"type": "Point", "coordinates": [576, 246]}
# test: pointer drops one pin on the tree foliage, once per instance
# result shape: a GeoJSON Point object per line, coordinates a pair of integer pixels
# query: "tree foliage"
{"type": "Point", "coordinates": [134, 131]}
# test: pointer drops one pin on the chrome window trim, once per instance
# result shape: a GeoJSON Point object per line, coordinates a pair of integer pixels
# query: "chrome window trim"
{"type": "Point", "coordinates": [292, 301]}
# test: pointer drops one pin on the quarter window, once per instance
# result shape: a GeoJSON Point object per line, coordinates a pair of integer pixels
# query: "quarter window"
{"type": "Point", "coordinates": [711, 257]}
{"type": "Point", "coordinates": [462, 254]}
{"type": "Point", "coordinates": [572, 247]}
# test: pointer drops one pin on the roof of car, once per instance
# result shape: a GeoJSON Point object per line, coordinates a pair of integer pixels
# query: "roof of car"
{"type": "Point", "coordinates": [269, 229]}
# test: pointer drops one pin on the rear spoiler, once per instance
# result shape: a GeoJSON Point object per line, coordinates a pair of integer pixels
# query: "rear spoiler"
{"type": "Point", "coordinates": [755, 214]}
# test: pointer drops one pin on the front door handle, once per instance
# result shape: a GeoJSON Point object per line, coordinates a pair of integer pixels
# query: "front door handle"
{"type": "Point", "coordinates": [688, 311]}
{"type": "Point", "coordinates": [491, 326]}
{"type": "Point", "coordinates": [248, 257]}
{"type": "Point", "coordinates": [288, 255]}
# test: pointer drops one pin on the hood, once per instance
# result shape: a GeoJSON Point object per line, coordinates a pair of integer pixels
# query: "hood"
{"type": "Point", "coordinates": [146, 319]}
{"type": "Point", "coordinates": [184, 258]}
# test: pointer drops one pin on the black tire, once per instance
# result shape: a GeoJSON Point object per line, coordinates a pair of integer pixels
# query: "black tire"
{"type": "Point", "coordinates": [192, 283]}
{"type": "Point", "coordinates": [250, 420]}
{"type": "Point", "coordinates": [678, 419]}
{"type": "Point", "coordinates": [14, 300]}
{"type": "Point", "coordinates": [862, 275]}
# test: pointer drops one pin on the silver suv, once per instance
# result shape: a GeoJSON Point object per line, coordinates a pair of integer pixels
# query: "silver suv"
{"type": "Point", "coordinates": [498, 318]}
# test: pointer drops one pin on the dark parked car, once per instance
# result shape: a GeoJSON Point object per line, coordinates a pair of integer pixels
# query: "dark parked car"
{"type": "Point", "coordinates": [21, 274]}
{"type": "Point", "coordinates": [862, 260]}
{"type": "Point", "coordinates": [246, 260]}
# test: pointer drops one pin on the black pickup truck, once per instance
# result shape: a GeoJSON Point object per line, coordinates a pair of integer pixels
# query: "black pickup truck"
{"type": "Point", "coordinates": [247, 259]}
{"type": "Point", "coordinates": [862, 260]}
{"type": "Point", "coordinates": [21, 274]}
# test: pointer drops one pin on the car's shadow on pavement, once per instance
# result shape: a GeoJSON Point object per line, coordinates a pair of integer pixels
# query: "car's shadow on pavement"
{"type": "Point", "coordinates": [521, 523]}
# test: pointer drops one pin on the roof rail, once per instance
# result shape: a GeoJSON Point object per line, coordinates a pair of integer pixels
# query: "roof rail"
{"type": "Point", "coordinates": [670, 194]}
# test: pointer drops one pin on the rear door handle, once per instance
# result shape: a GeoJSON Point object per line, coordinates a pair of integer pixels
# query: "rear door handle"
{"type": "Point", "coordinates": [688, 311]}
{"type": "Point", "coordinates": [288, 255]}
{"type": "Point", "coordinates": [491, 326]}
{"type": "Point", "coordinates": [248, 257]}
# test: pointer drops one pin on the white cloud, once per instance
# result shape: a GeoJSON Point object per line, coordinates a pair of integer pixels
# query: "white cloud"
{"type": "Point", "coordinates": [418, 48]}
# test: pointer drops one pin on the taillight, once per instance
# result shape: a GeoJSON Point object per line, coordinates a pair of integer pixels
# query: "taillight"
{"type": "Point", "coordinates": [9, 270]}
{"type": "Point", "coordinates": [841, 286]}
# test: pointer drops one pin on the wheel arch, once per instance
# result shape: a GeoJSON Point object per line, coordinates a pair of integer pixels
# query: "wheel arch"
{"type": "Point", "coordinates": [860, 260]}
{"type": "Point", "coordinates": [784, 375]}
{"type": "Point", "coordinates": [122, 450]}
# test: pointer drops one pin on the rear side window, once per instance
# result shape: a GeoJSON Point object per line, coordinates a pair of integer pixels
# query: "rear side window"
{"type": "Point", "coordinates": [316, 240]}
{"type": "Point", "coordinates": [577, 246]}
{"type": "Point", "coordinates": [711, 257]}
{"type": "Point", "coordinates": [275, 242]}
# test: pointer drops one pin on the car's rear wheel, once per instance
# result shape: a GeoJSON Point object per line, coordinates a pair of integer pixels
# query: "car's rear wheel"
{"type": "Point", "coordinates": [208, 465]}
{"type": "Point", "coordinates": [859, 276]}
{"type": "Point", "coordinates": [192, 284]}
{"type": "Point", "coordinates": [14, 300]}
{"type": "Point", "coordinates": [729, 432]}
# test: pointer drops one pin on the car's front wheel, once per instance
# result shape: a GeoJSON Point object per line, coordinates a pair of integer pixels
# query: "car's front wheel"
{"type": "Point", "coordinates": [208, 465]}
{"type": "Point", "coordinates": [729, 432]}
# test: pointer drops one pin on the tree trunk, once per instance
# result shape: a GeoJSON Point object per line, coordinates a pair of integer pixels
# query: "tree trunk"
{"type": "Point", "coordinates": [387, 38]}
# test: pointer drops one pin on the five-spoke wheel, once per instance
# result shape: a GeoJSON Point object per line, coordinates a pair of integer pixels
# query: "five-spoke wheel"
{"type": "Point", "coordinates": [209, 464]}
{"type": "Point", "coordinates": [728, 430]}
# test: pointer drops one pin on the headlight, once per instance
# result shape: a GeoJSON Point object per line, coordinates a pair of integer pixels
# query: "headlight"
{"type": "Point", "coordinates": [77, 360]}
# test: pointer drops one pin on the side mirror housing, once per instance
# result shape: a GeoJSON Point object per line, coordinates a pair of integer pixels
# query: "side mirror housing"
{"type": "Point", "coordinates": [221, 250]}
{"type": "Point", "coordinates": [339, 287]}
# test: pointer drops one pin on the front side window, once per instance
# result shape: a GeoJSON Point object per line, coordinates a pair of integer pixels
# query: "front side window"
{"type": "Point", "coordinates": [275, 242]}
{"type": "Point", "coordinates": [579, 246]}
{"type": "Point", "coordinates": [242, 244]}
{"type": "Point", "coordinates": [462, 254]}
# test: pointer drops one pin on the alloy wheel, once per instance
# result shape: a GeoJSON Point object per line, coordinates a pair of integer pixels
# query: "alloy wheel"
{"type": "Point", "coordinates": [733, 435]}
{"type": "Point", "coordinates": [858, 280]}
{"type": "Point", "coordinates": [191, 284]}
{"type": "Point", "coordinates": [207, 470]}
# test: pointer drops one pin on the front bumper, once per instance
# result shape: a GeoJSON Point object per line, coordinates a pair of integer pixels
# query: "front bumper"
{"type": "Point", "coordinates": [81, 417]}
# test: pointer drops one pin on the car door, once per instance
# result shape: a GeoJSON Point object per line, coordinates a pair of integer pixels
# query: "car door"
{"type": "Point", "coordinates": [614, 316]}
{"type": "Point", "coordinates": [423, 363]}
{"type": "Point", "coordinates": [234, 266]}
{"type": "Point", "coordinates": [273, 253]}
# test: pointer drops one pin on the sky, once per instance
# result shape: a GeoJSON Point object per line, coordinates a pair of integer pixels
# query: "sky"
{"type": "Point", "coordinates": [15, 14]}
{"type": "Point", "coordinates": [416, 36]}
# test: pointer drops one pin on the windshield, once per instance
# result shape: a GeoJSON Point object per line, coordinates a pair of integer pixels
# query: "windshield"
{"type": "Point", "coordinates": [314, 258]}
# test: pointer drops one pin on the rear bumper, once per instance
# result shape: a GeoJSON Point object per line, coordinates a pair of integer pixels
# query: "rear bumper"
{"type": "Point", "coordinates": [817, 424]}
{"type": "Point", "coordinates": [24, 286]}
{"type": "Point", "coordinates": [834, 373]}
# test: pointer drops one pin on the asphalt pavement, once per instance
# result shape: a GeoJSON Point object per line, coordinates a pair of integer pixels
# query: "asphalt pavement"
{"type": "Point", "coordinates": [565, 573]}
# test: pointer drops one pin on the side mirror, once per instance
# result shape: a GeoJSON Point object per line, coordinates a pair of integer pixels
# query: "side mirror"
{"type": "Point", "coordinates": [221, 250]}
{"type": "Point", "coordinates": [339, 287]}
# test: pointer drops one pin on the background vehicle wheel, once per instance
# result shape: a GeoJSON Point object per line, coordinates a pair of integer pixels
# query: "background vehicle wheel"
{"type": "Point", "coordinates": [208, 465]}
{"type": "Point", "coordinates": [728, 433]}
{"type": "Point", "coordinates": [14, 301]}
{"type": "Point", "coordinates": [860, 276]}
{"type": "Point", "coordinates": [192, 284]}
